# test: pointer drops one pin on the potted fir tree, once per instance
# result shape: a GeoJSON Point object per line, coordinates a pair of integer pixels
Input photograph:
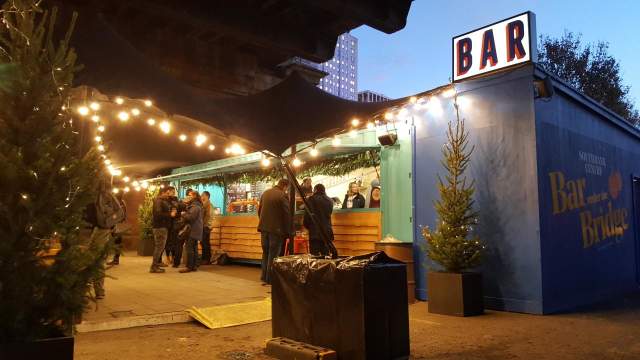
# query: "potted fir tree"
{"type": "Point", "coordinates": [47, 181]}
{"type": "Point", "coordinates": [454, 290]}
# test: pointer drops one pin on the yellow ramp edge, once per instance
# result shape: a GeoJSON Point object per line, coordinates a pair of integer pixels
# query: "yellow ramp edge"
{"type": "Point", "coordinates": [215, 317]}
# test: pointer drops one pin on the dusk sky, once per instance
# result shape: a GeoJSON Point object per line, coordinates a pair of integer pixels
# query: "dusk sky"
{"type": "Point", "coordinates": [418, 57]}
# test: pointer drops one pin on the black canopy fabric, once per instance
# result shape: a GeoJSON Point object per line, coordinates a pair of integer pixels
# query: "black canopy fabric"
{"type": "Point", "coordinates": [291, 112]}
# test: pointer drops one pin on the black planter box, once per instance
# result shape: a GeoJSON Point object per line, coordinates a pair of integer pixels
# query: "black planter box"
{"type": "Point", "coordinates": [50, 349]}
{"type": "Point", "coordinates": [455, 294]}
{"type": "Point", "coordinates": [356, 306]}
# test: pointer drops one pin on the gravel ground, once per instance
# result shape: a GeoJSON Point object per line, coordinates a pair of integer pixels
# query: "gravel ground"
{"type": "Point", "coordinates": [610, 331]}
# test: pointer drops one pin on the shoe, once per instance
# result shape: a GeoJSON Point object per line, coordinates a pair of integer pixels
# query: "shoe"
{"type": "Point", "coordinates": [186, 270]}
{"type": "Point", "coordinates": [205, 262]}
{"type": "Point", "coordinates": [156, 270]}
{"type": "Point", "coordinates": [113, 262]}
{"type": "Point", "coordinates": [163, 265]}
{"type": "Point", "coordinates": [175, 266]}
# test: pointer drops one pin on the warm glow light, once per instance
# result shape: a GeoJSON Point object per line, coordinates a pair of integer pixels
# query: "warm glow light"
{"type": "Point", "coordinates": [144, 184]}
{"type": "Point", "coordinates": [107, 162]}
{"type": "Point", "coordinates": [126, 179]}
{"type": "Point", "coordinates": [126, 189]}
{"type": "Point", "coordinates": [314, 152]}
{"type": "Point", "coordinates": [123, 116]}
{"type": "Point", "coordinates": [98, 138]}
{"type": "Point", "coordinates": [83, 110]}
{"type": "Point", "coordinates": [165, 127]}
{"type": "Point", "coordinates": [148, 103]}
{"type": "Point", "coordinates": [336, 141]}
{"type": "Point", "coordinates": [116, 172]}
{"type": "Point", "coordinates": [94, 106]}
{"type": "Point", "coordinates": [265, 162]}
{"type": "Point", "coordinates": [115, 190]}
{"type": "Point", "coordinates": [355, 122]}
{"type": "Point", "coordinates": [388, 116]}
{"type": "Point", "coordinates": [135, 183]}
{"type": "Point", "coordinates": [200, 139]}
{"type": "Point", "coordinates": [182, 137]}
{"type": "Point", "coordinates": [119, 100]}
{"type": "Point", "coordinates": [24, 196]}
{"type": "Point", "coordinates": [95, 118]}
{"type": "Point", "coordinates": [135, 111]}
{"type": "Point", "coordinates": [151, 121]}
{"type": "Point", "coordinates": [353, 133]}
{"type": "Point", "coordinates": [370, 125]}
{"type": "Point", "coordinates": [101, 147]}
{"type": "Point", "coordinates": [227, 150]}
{"type": "Point", "coordinates": [152, 187]}
{"type": "Point", "coordinates": [413, 99]}
{"type": "Point", "coordinates": [403, 113]}
{"type": "Point", "coordinates": [296, 162]}
{"type": "Point", "coordinates": [235, 149]}
{"type": "Point", "coordinates": [212, 147]}
{"type": "Point", "coordinates": [137, 188]}
{"type": "Point", "coordinates": [449, 93]}
{"type": "Point", "coordinates": [101, 128]}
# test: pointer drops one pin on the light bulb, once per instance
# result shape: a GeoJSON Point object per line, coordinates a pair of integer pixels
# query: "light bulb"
{"type": "Point", "coordinates": [98, 138]}
{"type": "Point", "coordinates": [336, 141]}
{"type": "Point", "coordinates": [152, 187]}
{"type": "Point", "coordinates": [94, 106]}
{"type": "Point", "coordinates": [370, 125]}
{"type": "Point", "coordinates": [95, 118]}
{"type": "Point", "coordinates": [119, 100]}
{"type": "Point", "coordinates": [100, 147]}
{"type": "Point", "coordinates": [212, 147]}
{"type": "Point", "coordinates": [148, 103]}
{"type": "Point", "coordinates": [388, 115]}
{"type": "Point", "coordinates": [266, 162]}
{"type": "Point", "coordinates": [183, 137]}
{"type": "Point", "coordinates": [165, 127]}
{"type": "Point", "coordinates": [227, 150]}
{"type": "Point", "coordinates": [145, 184]}
{"type": "Point", "coordinates": [126, 189]}
{"type": "Point", "coordinates": [123, 116]}
{"type": "Point", "coordinates": [200, 139]}
{"type": "Point", "coordinates": [296, 162]}
{"type": "Point", "coordinates": [355, 122]}
{"type": "Point", "coordinates": [135, 183]}
{"type": "Point", "coordinates": [101, 128]}
{"type": "Point", "coordinates": [126, 179]}
{"type": "Point", "coordinates": [115, 190]}
{"type": "Point", "coordinates": [135, 111]}
{"type": "Point", "coordinates": [314, 152]}
{"type": "Point", "coordinates": [83, 110]}
{"type": "Point", "coordinates": [151, 121]}
{"type": "Point", "coordinates": [137, 188]}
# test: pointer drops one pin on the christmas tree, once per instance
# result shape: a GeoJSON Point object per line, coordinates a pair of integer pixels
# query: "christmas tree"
{"type": "Point", "coordinates": [47, 180]}
{"type": "Point", "coordinates": [450, 244]}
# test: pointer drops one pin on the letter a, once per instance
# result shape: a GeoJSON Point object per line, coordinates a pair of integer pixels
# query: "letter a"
{"type": "Point", "coordinates": [488, 49]}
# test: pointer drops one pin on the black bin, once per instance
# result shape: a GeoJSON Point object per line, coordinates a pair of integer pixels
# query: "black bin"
{"type": "Point", "coordinates": [356, 306]}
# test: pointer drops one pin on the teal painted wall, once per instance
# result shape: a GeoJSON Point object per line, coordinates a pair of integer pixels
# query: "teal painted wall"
{"type": "Point", "coordinates": [397, 187]}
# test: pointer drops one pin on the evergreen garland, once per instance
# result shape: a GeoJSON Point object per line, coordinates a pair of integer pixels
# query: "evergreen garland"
{"type": "Point", "coordinates": [449, 245]}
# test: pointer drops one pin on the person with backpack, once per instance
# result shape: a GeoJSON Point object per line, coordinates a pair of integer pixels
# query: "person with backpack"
{"type": "Point", "coordinates": [103, 216]}
{"type": "Point", "coordinates": [162, 216]}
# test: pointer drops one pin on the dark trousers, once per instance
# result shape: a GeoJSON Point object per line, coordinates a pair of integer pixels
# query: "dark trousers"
{"type": "Point", "coordinates": [177, 252]}
{"type": "Point", "coordinates": [192, 252]}
{"type": "Point", "coordinates": [117, 240]}
{"type": "Point", "coordinates": [206, 245]}
{"type": "Point", "coordinates": [317, 247]}
{"type": "Point", "coordinates": [271, 247]}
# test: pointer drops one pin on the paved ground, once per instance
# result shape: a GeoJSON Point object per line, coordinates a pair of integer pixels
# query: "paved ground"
{"type": "Point", "coordinates": [607, 332]}
{"type": "Point", "coordinates": [131, 290]}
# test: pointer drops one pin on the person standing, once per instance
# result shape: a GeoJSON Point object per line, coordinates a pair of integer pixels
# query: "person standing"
{"type": "Point", "coordinates": [374, 198]}
{"type": "Point", "coordinates": [117, 233]}
{"type": "Point", "coordinates": [353, 199]}
{"type": "Point", "coordinates": [274, 225]}
{"type": "Point", "coordinates": [162, 216]}
{"type": "Point", "coordinates": [207, 219]}
{"type": "Point", "coordinates": [321, 206]}
{"type": "Point", "coordinates": [193, 217]}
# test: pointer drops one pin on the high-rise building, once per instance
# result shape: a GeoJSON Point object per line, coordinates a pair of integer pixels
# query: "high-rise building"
{"type": "Point", "coordinates": [342, 70]}
{"type": "Point", "coordinates": [371, 96]}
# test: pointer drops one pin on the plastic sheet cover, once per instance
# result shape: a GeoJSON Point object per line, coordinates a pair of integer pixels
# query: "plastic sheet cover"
{"type": "Point", "coordinates": [355, 305]}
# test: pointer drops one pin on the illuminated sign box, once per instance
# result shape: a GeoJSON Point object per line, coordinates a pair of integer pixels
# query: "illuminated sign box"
{"type": "Point", "coordinates": [494, 47]}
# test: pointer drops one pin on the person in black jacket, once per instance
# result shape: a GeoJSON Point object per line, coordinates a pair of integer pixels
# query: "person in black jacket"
{"type": "Point", "coordinates": [162, 216]}
{"type": "Point", "coordinates": [353, 199]}
{"type": "Point", "coordinates": [322, 207]}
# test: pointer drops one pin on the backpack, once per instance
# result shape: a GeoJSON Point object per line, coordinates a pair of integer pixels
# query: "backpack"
{"type": "Point", "coordinates": [109, 212]}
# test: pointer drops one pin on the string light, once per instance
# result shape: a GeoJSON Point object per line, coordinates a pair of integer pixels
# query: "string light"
{"type": "Point", "coordinates": [101, 128]}
{"type": "Point", "coordinates": [123, 116]}
{"type": "Point", "coordinates": [265, 162]}
{"type": "Point", "coordinates": [135, 183]}
{"type": "Point", "coordinates": [296, 162]}
{"type": "Point", "coordinates": [388, 116]}
{"type": "Point", "coordinates": [95, 118]}
{"type": "Point", "coordinates": [135, 111]}
{"type": "Point", "coordinates": [200, 139]}
{"type": "Point", "coordinates": [126, 179]}
{"type": "Point", "coordinates": [115, 190]}
{"type": "Point", "coordinates": [212, 147]}
{"type": "Point", "coordinates": [119, 100]}
{"type": "Point", "coordinates": [94, 106]}
{"type": "Point", "coordinates": [24, 196]}
{"type": "Point", "coordinates": [137, 188]}
{"type": "Point", "coordinates": [148, 103]}
{"type": "Point", "coordinates": [98, 138]}
{"type": "Point", "coordinates": [101, 147]}
{"type": "Point", "coordinates": [370, 125]}
{"type": "Point", "coordinates": [165, 127]}
{"type": "Point", "coordinates": [116, 172]}
{"type": "Point", "coordinates": [151, 121]}
{"type": "Point", "coordinates": [144, 184]}
{"type": "Point", "coordinates": [314, 152]}
{"type": "Point", "coordinates": [126, 189]}
{"type": "Point", "coordinates": [336, 141]}
{"type": "Point", "coordinates": [183, 137]}
{"type": "Point", "coordinates": [355, 122]}
{"type": "Point", "coordinates": [63, 168]}
{"type": "Point", "coordinates": [413, 99]}
{"type": "Point", "coordinates": [152, 187]}
{"type": "Point", "coordinates": [83, 110]}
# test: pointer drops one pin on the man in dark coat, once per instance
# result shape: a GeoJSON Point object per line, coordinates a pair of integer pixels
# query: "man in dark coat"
{"type": "Point", "coordinates": [322, 207]}
{"type": "Point", "coordinates": [274, 226]}
{"type": "Point", "coordinates": [193, 216]}
{"type": "Point", "coordinates": [162, 215]}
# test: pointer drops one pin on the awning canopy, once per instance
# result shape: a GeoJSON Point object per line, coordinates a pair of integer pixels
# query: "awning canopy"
{"type": "Point", "coordinates": [291, 112]}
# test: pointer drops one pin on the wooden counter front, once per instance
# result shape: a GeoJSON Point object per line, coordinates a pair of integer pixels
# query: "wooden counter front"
{"type": "Point", "coordinates": [355, 233]}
